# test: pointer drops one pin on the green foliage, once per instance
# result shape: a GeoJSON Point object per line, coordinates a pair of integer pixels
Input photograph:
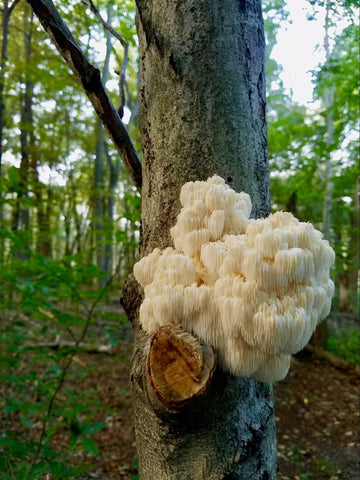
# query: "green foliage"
{"type": "Point", "coordinates": [325, 467]}
{"type": "Point", "coordinates": [297, 454]}
{"type": "Point", "coordinates": [49, 241]}
{"type": "Point", "coordinates": [347, 346]}
{"type": "Point", "coordinates": [300, 151]}
{"type": "Point", "coordinates": [341, 75]}
{"type": "Point", "coordinates": [44, 300]}
{"type": "Point", "coordinates": [334, 5]}
{"type": "Point", "coordinates": [136, 466]}
{"type": "Point", "coordinates": [61, 139]}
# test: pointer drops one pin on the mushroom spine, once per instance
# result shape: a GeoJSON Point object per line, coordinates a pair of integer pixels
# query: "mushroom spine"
{"type": "Point", "coordinates": [254, 289]}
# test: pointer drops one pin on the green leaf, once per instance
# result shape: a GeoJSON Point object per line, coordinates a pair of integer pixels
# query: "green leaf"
{"type": "Point", "coordinates": [73, 442]}
{"type": "Point", "coordinates": [91, 429]}
{"type": "Point", "coordinates": [38, 470]}
{"type": "Point", "coordinates": [90, 445]}
{"type": "Point", "coordinates": [14, 178]}
{"type": "Point", "coordinates": [61, 471]}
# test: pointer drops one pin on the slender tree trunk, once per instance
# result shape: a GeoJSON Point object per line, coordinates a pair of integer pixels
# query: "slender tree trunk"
{"type": "Point", "coordinates": [99, 195]}
{"type": "Point", "coordinates": [322, 332]}
{"type": "Point", "coordinates": [202, 111]}
{"type": "Point", "coordinates": [73, 219]}
{"type": "Point", "coordinates": [44, 212]}
{"type": "Point", "coordinates": [328, 101]}
{"type": "Point", "coordinates": [6, 12]}
{"type": "Point", "coordinates": [100, 210]}
{"type": "Point", "coordinates": [114, 171]}
{"type": "Point", "coordinates": [4, 46]}
{"type": "Point", "coordinates": [21, 216]}
{"type": "Point", "coordinates": [349, 279]}
{"type": "Point", "coordinates": [67, 227]}
{"type": "Point", "coordinates": [43, 202]}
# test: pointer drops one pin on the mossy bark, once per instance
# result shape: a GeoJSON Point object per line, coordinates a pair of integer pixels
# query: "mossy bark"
{"type": "Point", "coordinates": [202, 111]}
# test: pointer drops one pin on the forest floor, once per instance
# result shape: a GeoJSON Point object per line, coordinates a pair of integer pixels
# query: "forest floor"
{"type": "Point", "coordinates": [317, 413]}
{"type": "Point", "coordinates": [316, 408]}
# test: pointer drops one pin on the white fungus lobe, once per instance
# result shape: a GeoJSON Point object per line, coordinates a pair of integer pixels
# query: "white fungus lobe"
{"type": "Point", "coordinates": [254, 289]}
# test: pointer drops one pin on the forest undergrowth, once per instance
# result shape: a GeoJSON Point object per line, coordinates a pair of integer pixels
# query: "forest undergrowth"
{"type": "Point", "coordinates": [75, 421]}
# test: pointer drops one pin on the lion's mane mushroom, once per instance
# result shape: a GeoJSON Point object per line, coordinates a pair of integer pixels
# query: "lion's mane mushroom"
{"type": "Point", "coordinates": [254, 289]}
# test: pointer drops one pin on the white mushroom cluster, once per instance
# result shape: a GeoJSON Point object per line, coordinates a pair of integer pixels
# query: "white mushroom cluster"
{"type": "Point", "coordinates": [254, 289]}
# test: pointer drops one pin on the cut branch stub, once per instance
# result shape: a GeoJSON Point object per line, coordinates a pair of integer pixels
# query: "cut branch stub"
{"type": "Point", "coordinates": [179, 367]}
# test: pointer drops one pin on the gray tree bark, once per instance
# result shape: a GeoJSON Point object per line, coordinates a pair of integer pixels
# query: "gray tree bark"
{"type": "Point", "coordinates": [202, 111]}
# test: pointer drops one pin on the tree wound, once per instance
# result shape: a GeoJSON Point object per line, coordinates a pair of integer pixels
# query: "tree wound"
{"type": "Point", "coordinates": [179, 367]}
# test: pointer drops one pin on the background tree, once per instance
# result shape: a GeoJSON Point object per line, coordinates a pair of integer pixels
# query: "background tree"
{"type": "Point", "coordinates": [340, 75]}
{"type": "Point", "coordinates": [6, 12]}
{"type": "Point", "coordinates": [301, 153]}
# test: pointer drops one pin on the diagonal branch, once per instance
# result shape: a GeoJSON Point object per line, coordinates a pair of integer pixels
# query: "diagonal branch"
{"type": "Point", "coordinates": [13, 5]}
{"type": "Point", "coordinates": [108, 27]}
{"type": "Point", "coordinates": [90, 79]}
{"type": "Point", "coordinates": [124, 44]}
{"type": "Point", "coordinates": [7, 9]}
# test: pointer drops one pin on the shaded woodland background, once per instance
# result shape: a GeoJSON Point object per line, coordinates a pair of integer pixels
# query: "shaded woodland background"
{"type": "Point", "coordinates": [69, 227]}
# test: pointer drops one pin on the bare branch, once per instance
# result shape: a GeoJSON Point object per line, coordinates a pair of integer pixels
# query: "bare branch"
{"type": "Point", "coordinates": [9, 8]}
{"type": "Point", "coordinates": [90, 79]}
{"type": "Point", "coordinates": [125, 45]}
{"type": "Point", "coordinates": [122, 79]}
{"type": "Point", "coordinates": [13, 5]}
{"type": "Point", "coordinates": [87, 347]}
{"type": "Point", "coordinates": [108, 27]}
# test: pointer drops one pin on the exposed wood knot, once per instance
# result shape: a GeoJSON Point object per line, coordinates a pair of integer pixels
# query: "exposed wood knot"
{"type": "Point", "coordinates": [179, 367]}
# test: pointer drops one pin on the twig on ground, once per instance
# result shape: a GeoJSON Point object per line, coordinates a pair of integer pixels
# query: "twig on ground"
{"type": "Point", "coordinates": [86, 347]}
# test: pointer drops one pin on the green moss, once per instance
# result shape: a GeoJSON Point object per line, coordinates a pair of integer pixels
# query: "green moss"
{"type": "Point", "coordinates": [347, 346]}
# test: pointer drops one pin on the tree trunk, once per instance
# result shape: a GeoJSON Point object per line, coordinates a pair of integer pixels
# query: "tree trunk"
{"type": "Point", "coordinates": [44, 205]}
{"type": "Point", "coordinates": [114, 171]}
{"type": "Point", "coordinates": [6, 12]}
{"type": "Point", "coordinates": [99, 195]}
{"type": "Point", "coordinates": [202, 111]}
{"type": "Point", "coordinates": [321, 334]}
{"type": "Point", "coordinates": [329, 105]}
{"type": "Point", "coordinates": [99, 190]}
{"type": "Point", "coordinates": [21, 215]}
{"type": "Point", "coordinates": [349, 278]}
